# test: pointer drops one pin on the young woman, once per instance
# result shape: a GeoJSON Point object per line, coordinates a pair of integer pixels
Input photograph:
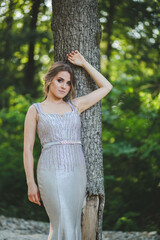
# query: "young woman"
{"type": "Point", "coordinates": [61, 169]}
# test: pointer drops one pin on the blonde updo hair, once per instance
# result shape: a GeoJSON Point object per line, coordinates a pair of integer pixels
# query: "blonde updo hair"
{"type": "Point", "coordinates": [53, 71]}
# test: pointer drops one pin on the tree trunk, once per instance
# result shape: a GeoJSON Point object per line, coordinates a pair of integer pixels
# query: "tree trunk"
{"type": "Point", "coordinates": [9, 23]}
{"type": "Point", "coordinates": [6, 50]}
{"type": "Point", "coordinates": [108, 28]}
{"type": "Point", "coordinates": [30, 67]}
{"type": "Point", "coordinates": [76, 25]}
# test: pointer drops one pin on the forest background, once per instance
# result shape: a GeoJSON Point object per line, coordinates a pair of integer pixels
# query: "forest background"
{"type": "Point", "coordinates": [130, 60]}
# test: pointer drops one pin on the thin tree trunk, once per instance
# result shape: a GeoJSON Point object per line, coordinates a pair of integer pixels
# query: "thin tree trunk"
{"type": "Point", "coordinates": [109, 30]}
{"type": "Point", "coordinates": [7, 50]}
{"type": "Point", "coordinates": [9, 22]}
{"type": "Point", "coordinates": [76, 25]}
{"type": "Point", "coordinates": [30, 68]}
{"type": "Point", "coordinates": [109, 27]}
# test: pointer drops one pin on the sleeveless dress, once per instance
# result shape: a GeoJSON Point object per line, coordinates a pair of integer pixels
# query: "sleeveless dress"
{"type": "Point", "coordinates": [61, 172]}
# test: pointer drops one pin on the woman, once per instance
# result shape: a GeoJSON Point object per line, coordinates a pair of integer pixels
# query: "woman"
{"type": "Point", "coordinates": [61, 169]}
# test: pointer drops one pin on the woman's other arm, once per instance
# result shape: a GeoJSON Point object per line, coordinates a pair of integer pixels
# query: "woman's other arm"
{"type": "Point", "coordinates": [29, 139]}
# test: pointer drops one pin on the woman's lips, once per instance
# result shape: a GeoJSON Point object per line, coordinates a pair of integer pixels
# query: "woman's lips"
{"type": "Point", "coordinates": [61, 91]}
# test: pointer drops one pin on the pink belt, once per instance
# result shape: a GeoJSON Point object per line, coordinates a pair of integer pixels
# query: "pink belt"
{"type": "Point", "coordinates": [46, 145]}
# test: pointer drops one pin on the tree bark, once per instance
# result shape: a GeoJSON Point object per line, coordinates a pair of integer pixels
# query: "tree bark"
{"type": "Point", "coordinates": [76, 25]}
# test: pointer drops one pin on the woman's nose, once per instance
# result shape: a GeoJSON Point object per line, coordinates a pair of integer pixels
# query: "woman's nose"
{"type": "Point", "coordinates": [64, 85]}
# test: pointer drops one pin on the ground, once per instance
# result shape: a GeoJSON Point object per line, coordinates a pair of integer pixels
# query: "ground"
{"type": "Point", "coordinates": [20, 229]}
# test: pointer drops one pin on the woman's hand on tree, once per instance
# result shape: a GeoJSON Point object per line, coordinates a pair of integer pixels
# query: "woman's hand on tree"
{"type": "Point", "coordinates": [33, 193]}
{"type": "Point", "coordinates": [76, 58]}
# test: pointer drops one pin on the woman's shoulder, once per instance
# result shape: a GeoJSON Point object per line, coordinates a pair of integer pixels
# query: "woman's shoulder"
{"type": "Point", "coordinates": [75, 103]}
{"type": "Point", "coordinates": [33, 111]}
{"type": "Point", "coordinates": [33, 105]}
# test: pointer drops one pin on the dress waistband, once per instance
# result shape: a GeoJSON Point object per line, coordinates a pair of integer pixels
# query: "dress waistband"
{"type": "Point", "coordinates": [46, 145]}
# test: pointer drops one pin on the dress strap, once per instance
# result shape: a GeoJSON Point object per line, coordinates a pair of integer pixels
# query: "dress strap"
{"type": "Point", "coordinates": [37, 106]}
{"type": "Point", "coordinates": [73, 107]}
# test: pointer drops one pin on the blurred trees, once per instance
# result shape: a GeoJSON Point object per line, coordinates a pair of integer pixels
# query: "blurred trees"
{"type": "Point", "coordinates": [130, 59]}
{"type": "Point", "coordinates": [26, 46]}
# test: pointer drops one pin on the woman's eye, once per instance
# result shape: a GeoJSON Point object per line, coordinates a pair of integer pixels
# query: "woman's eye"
{"type": "Point", "coordinates": [60, 80]}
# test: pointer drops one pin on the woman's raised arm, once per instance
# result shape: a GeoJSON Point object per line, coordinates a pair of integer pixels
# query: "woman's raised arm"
{"type": "Point", "coordinates": [86, 101]}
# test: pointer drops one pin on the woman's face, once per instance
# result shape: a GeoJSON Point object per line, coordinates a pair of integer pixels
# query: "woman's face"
{"type": "Point", "coordinates": [60, 84]}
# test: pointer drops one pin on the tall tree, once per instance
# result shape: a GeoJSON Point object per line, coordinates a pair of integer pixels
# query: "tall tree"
{"type": "Point", "coordinates": [30, 67]}
{"type": "Point", "coordinates": [76, 25]}
{"type": "Point", "coordinates": [6, 45]}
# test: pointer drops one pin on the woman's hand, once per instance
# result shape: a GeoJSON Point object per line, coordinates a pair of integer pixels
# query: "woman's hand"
{"type": "Point", "coordinates": [33, 193]}
{"type": "Point", "coordinates": [76, 58]}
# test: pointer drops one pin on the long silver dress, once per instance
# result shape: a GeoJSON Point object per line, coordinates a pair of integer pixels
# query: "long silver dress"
{"type": "Point", "coordinates": [61, 172]}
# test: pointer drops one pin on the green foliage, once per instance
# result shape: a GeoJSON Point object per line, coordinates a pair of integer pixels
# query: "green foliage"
{"type": "Point", "coordinates": [13, 187]}
{"type": "Point", "coordinates": [17, 36]}
{"type": "Point", "coordinates": [130, 115]}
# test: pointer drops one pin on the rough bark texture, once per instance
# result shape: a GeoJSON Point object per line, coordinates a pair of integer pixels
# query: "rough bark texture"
{"type": "Point", "coordinates": [76, 25]}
